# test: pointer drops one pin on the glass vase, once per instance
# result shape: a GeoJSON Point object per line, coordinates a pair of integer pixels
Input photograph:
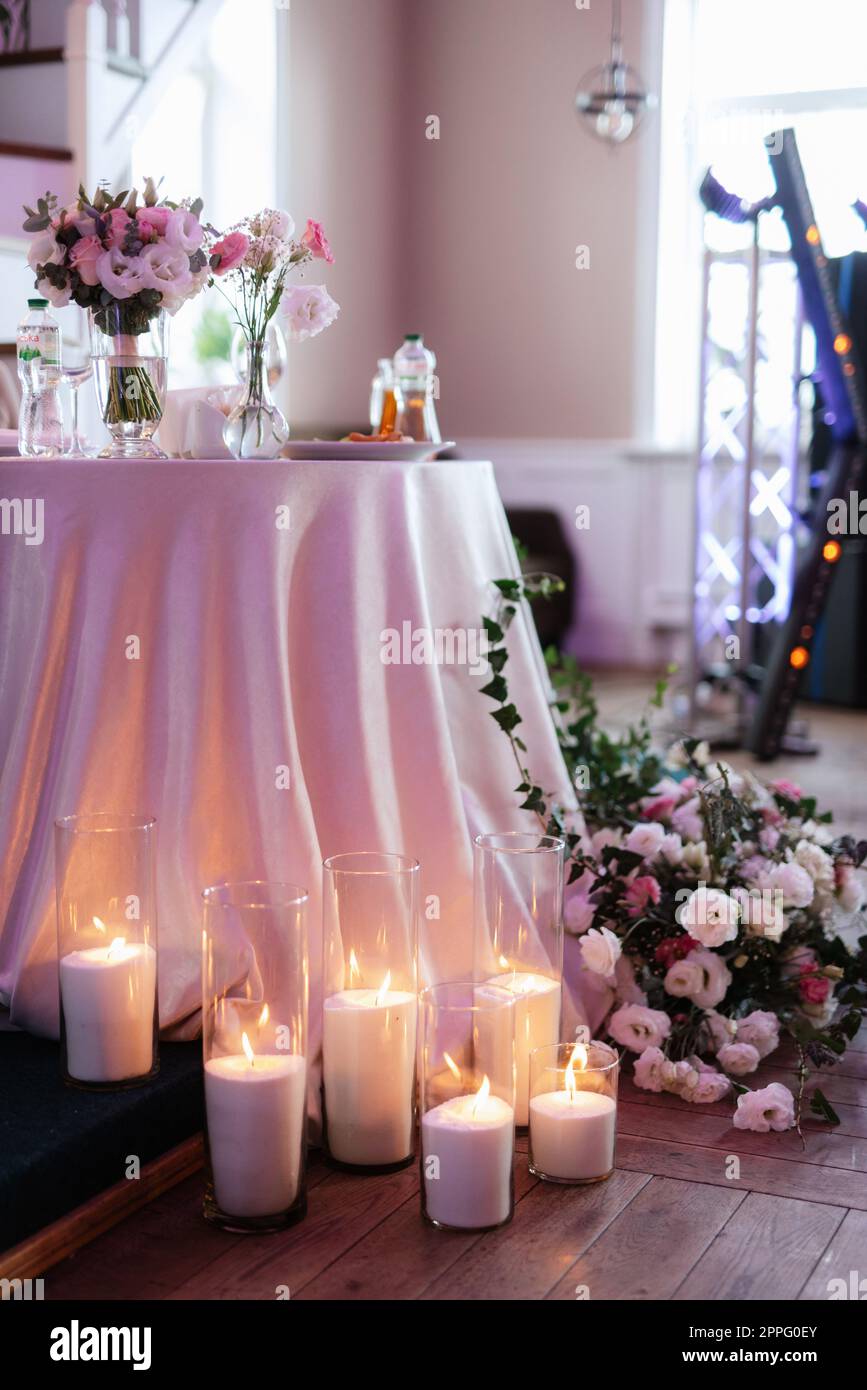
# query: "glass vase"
{"type": "Point", "coordinates": [129, 349]}
{"type": "Point", "coordinates": [107, 949]}
{"type": "Point", "coordinates": [256, 428]}
{"type": "Point", "coordinates": [573, 1111]}
{"type": "Point", "coordinates": [467, 1106]}
{"type": "Point", "coordinates": [370, 943]}
{"type": "Point", "coordinates": [518, 936]}
{"type": "Point", "coordinates": [255, 987]}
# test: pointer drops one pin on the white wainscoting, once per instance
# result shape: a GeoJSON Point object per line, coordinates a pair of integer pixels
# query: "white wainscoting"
{"type": "Point", "coordinates": [634, 560]}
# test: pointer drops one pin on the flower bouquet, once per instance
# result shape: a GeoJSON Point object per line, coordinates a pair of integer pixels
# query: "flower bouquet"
{"type": "Point", "coordinates": [129, 264]}
{"type": "Point", "coordinates": [714, 913]}
{"type": "Point", "coordinates": [257, 256]}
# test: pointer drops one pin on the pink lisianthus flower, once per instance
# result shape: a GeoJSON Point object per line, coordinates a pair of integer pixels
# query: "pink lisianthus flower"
{"type": "Point", "coordinates": [761, 1028]}
{"type": "Point", "coordinates": [738, 1058]}
{"type": "Point", "coordinates": [44, 249]}
{"type": "Point", "coordinates": [123, 276]}
{"type": "Point", "coordinates": [184, 230]}
{"type": "Point", "coordinates": [316, 241]}
{"type": "Point", "coordinates": [645, 839]}
{"type": "Point", "coordinates": [118, 221]}
{"type": "Point", "coordinates": [648, 1070]}
{"type": "Point", "coordinates": [702, 977]}
{"type": "Point", "coordinates": [84, 257]}
{"type": "Point", "coordinates": [231, 251]}
{"type": "Point", "coordinates": [773, 1107]}
{"type": "Point", "coordinates": [637, 1027]}
{"type": "Point", "coordinates": [309, 309]}
{"type": "Point", "coordinates": [642, 891]}
{"type": "Point", "coordinates": [153, 221]}
{"type": "Point", "coordinates": [167, 269]}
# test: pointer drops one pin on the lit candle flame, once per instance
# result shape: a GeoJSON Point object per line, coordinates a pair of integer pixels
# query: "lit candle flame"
{"type": "Point", "coordinates": [504, 963]}
{"type": "Point", "coordinates": [384, 988]}
{"type": "Point", "coordinates": [248, 1051]}
{"type": "Point", "coordinates": [354, 971]}
{"type": "Point", "coordinates": [99, 924]}
{"type": "Point", "coordinates": [264, 1015]}
{"type": "Point", "coordinates": [579, 1060]}
{"type": "Point", "coordinates": [452, 1066]}
{"type": "Point", "coordinates": [481, 1095]}
{"type": "Point", "coordinates": [116, 946]}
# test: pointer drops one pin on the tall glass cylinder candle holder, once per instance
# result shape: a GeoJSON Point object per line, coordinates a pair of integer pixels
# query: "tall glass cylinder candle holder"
{"type": "Point", "coordinates": [369, 1026]}
{"type": "Point", "coordinates": [107, 949]}
{"type": "Point", "coordinates": [468, 1106]}
{"type": "Point", "coordinates": [255, 988]}
{"type": "Point", "coordinates": [518, 936]}
{"type": "Point", "coordinates": [573, 1111]}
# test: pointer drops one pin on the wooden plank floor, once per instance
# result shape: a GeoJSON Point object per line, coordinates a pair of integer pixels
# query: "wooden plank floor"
{"type": "Point", "coordinates": [678, 1220]}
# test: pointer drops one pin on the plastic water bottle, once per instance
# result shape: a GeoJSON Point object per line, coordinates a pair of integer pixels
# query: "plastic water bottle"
{"type": "Point", "coordinates": [40, 420]}
{"type": "Point", "coordinates": [415, 384]}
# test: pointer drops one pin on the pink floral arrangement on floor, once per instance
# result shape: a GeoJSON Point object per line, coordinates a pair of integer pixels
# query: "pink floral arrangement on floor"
{"type": "Point", "coordinates": [713, 904]}
{"type": "Point", "coordinates": [143, 255]}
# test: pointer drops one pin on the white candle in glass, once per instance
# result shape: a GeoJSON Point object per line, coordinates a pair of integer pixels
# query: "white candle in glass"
{"type": "Point", "coordinates": [368, 1064]}
{"type": "Point", "coordinates": [256, 1113]}
{"type": "Point", "coordinates": [572, 1131]}
{"type": "Point", "coordinates": [108, 994]}
{"type": "Point", "coordinates": [537, 1023]}
{"type": "Point", "coordinates": [467, 1156]}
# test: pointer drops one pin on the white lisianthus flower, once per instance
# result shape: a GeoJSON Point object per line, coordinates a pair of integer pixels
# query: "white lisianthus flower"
{"type": "Point", "coordinates": [637, 1027]}
{"type": "Point", "coordinates": [56, 297]}
{"type": "Point", "coordinates": [184, 231]}
{"type": "Point", "coordinates": [710, 916]}
{"type": "Point", "coordinates": [720, 1030]}
{"type": "Point", "coordinates": [762, 912]}
{"type": "Point", "coordinates": [645, 839]}
{"type": "Point", "coordinates": [738, 1058]}
{"type": "Point", "coordinates": [167, 269]}
{"type": "Point", "coordinates": [773, 1107]}
{"type": "Point", "coordinates": [819, 865]}
{"type": "Point", "coordinates": [309, 310]}
{"type": "Point", "coordinates": [695, 857]}
{"type": "Point", "coordinates": [600, 951]}
{"type": "Point", "coordinates": [794, 883]}
{"type": "Point", "coordinates": [45, 249]}
{"type": "Point", "coordinates": [761, 1029]}
{"type": "Point", "coordinates": [273, 222]}
{"type": "Point", "coordinates": [850, 889]}
{"type": "Point", "coordinates": [123, 276]}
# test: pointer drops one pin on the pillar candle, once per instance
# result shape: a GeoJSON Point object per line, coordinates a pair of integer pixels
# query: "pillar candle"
{"type": "Point", "coordinates": [537, 1023]}
{"type": "Point", "coordinates": [572, 1134]}
{"type": "Point", "coordinates": [256, 1113]}
{"type": "Point", "coordinates": [368, 1064]}
{"type": "Point", "coordinates": [108, 994]}
{"type": "Point", "coordinates": [467, 1153]}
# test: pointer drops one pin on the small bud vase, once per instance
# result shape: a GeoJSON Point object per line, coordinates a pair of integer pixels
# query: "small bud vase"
{"type": "Point", "coordinates": [256, 428]}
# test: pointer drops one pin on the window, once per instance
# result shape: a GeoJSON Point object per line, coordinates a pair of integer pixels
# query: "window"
{"type": "Point", "coordinates": [733, 72]}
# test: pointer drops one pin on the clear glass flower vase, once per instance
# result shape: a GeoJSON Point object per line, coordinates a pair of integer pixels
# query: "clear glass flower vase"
{"type": "Point", "coordinates": [256, 428]}
{"type": "Point", "coordinates": [129, 350]}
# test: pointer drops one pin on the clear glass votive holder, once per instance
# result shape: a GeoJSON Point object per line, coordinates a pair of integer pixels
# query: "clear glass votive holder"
{"type": "Point", "coordinates": [255, 989]}
{"type": "Point", "coordinates": [573, 1111]}
{"type": "Point", "coordinates": [105, 878]}
{"type": "Point", "coordinates": [467, 1106]}
{"type": "Point", "coordinates": [518, 936]}
{"type": "Point", "coordinates": [370, 1009]}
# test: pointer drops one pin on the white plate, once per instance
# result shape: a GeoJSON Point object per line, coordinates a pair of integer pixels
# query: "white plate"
{"type": "Point", "coordinates": [310, 450]}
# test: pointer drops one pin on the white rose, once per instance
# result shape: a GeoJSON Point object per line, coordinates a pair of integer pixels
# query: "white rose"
{"type": "Point", "coordinates": [600, 951]}
{"type": "Point", "coordinates": [671, 848]}
{"type": "Point", "coordinates": [819, 865]}
{"type": "Point", "coordinates": [645, 839]}
{"type": "Point", "coordinates": [794, 883]}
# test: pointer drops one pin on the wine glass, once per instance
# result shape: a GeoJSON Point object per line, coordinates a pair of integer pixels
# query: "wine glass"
{"type": "Point", "coordinates": [76, 369]}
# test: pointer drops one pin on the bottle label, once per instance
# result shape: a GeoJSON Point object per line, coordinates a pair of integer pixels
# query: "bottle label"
{"type": "Point", "coordinates": [39, 343]}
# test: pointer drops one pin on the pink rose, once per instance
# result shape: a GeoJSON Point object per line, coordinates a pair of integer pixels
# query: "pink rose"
{"type": "Point", "coordinates": [771, 1108]}
{"type": "Point", "coordinates": [642, 891]}
{"type": "Point", "coordinates": [637, 1027]}
{"type": "Point", "coordinates": [118, 221]}
{"type": "Point", "coordinates": [153, 220]}
{"type": "Point", "coordinates": [788, 789]}
{"type": "Point", "coordinates": [658, 807]}
{"type": "Point", "coordinates": [813, 988]}
{"type": "Point", "coordinates": [738, 1058]}
{"type": "Point", "coordinates": [84, 256]}
{"type": "Point", "coordinates": [316, 242]}
{"type": "Point", "coordinates": [231, 251]}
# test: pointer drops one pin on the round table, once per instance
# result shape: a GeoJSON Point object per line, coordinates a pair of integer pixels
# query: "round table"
{"type": "Point", "coordinates": [204, 641]}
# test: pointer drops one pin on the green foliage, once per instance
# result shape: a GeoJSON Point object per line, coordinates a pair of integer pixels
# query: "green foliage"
{"type": "Point", "coordinates": [213, 338]}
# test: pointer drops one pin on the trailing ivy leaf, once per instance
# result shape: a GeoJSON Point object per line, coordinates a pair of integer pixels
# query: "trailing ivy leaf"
{"type": "Point", "coordinates": [820, 1105]}
{"type": "Point", "coordinates": [510, 588]}
{"type": "Point", "coordinates": [508, 718]}
{"type": "Point", "coordinates": [496, 689]}
{"type": "Point", "coordinates": [498, 658]}
{"type": "Point", "coordinates": [493, 630]}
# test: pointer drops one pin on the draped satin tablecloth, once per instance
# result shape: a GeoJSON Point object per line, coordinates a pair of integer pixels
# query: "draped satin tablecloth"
{"type": "Point", "coordinates": [260, 648]}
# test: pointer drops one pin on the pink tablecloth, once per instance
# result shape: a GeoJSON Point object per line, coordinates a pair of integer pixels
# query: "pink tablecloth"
{"type": "Point", "coordinates": [260, 647]}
